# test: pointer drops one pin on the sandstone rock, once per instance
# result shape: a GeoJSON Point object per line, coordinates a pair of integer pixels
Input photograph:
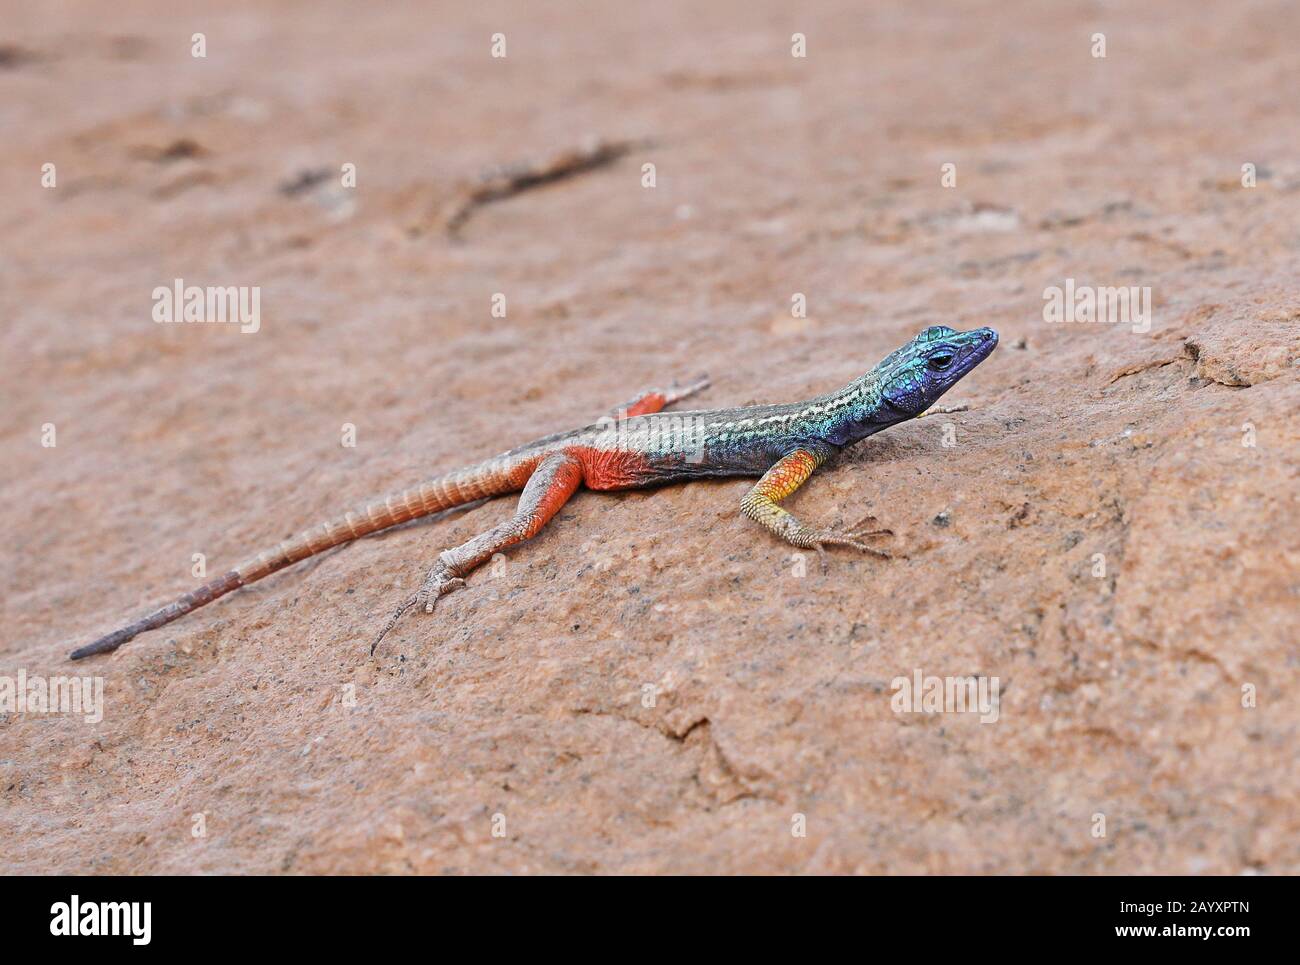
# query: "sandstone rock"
{"type": "Point", "coordinates": [653, 684]}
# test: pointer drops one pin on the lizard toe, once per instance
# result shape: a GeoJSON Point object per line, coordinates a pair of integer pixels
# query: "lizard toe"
{"type": "Point", "coordinates": [834, 540]}
{"type": "Point", "coordinates": [860, 528]}
{"type": "Point", "coordinates": [861, 533]}
{"type": "Point", "coordinates": [444, 586]}
{"type": "Point", "coordinates": [682, 390]}
{"type": "Point", "coordinates": [821, 556]}
{"type": "Point", "coordinates": [392, 621]}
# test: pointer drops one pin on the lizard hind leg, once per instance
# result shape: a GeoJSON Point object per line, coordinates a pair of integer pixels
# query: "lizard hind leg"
{"type": "Point", "coordinates": [555, 479]}
{"type": "Point", "coordinates": [655, 400]}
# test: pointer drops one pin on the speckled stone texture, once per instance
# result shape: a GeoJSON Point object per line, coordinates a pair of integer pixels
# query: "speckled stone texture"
{"type": "Point", "coordinates": [648, 686]}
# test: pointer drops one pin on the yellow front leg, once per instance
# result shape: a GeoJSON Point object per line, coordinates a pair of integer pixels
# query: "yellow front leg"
{"type": "Point", "coordinates": [787, 475]}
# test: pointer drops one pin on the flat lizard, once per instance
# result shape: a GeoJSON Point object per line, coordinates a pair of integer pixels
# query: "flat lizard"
{"type": "Point", "coordinates": [642, 446]}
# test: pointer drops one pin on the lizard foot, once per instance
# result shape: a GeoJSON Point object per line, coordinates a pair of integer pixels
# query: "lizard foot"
{"type": "Point", "coordinates": [439, 581]}
{"type": "Point", "coordinates": [823, 540]}
{"type": "Point", "coordinates": [852, 538]}
{"type": "Point", "coordinates": [946, 409]}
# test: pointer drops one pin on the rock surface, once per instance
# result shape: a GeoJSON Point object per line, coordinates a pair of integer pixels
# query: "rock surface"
{"type": "Point", "coordinates": [651, 685]}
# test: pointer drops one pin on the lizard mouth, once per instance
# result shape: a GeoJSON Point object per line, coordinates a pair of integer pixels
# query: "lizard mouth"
{"type": "Point", "coordinates": [891, 404]}
{"type": "Point", "coordinates": [984, 341]}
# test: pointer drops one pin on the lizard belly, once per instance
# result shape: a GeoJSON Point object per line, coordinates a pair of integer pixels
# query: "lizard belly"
{"type": "Point", "coordinates": [612, 468]}
{"type": "Point", "coordinates": [622, 469]}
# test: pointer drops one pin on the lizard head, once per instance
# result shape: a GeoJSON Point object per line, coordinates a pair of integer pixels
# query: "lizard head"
{"type": "Point", "coordinates": [914, 376]}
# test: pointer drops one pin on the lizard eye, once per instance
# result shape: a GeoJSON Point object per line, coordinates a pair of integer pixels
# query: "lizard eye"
{"type": "Point", "coordinates": [939, 362]}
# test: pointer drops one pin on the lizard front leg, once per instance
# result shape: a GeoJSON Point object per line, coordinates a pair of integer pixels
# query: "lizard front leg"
{"type": "Point", "coordinates": [787, 475]}
{"type": "Point", "coordinates": [555, 479]}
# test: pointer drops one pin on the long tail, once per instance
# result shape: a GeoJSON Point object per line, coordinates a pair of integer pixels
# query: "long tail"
{"type": "Point", "coordinates": [502, 474]}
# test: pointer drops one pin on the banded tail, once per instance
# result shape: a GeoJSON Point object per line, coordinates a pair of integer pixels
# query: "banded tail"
{"type": "Point", "coordinates": [503, 474]}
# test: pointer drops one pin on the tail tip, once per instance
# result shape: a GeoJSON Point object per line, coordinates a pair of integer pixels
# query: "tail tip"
{"type": "Point", "coordinates": [102, 645]}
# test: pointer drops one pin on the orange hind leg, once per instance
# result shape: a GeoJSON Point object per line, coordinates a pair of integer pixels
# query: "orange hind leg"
{"type": "Point", "coordinates": [653, 400]}
{"type": "Point", "coordinates": [549, 487]}
{"type": "Point", "coordinates": [555, 479]}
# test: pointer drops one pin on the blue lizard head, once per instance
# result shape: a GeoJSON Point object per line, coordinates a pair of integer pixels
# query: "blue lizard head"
{"type": "Point", "coordinates": [913, 377]}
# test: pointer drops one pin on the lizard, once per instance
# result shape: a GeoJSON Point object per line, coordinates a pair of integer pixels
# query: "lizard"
{"type": "Point", "coordinates": [641, 446]}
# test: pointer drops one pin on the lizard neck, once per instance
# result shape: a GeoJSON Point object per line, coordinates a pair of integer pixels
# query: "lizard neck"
{"type": "Point", "coordinates": [850, 414]}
